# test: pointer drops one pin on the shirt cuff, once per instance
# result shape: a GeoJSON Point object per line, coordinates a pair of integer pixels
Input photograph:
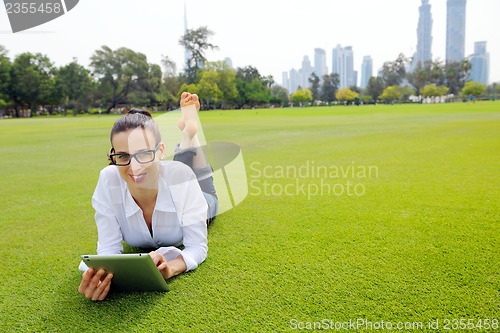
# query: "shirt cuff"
{"type": "Point", "coordinates": [171, 252]}
{"type": "Point", "coordinates": [83, 267]}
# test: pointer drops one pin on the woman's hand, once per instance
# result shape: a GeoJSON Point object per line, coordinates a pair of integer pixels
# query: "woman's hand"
{"type": "Point", "coordinates": [95, 285]}
{"type": "Point", "coordinates": [168, 268]}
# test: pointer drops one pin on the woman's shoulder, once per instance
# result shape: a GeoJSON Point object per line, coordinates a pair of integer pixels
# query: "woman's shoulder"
{"type": "Point", "coordinates": [175, 172]}
{"type": "Point", "coordinates": [110, 174]}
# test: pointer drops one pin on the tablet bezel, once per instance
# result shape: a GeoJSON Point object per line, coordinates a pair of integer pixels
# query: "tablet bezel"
{"type": "Point", "coordinates": [131, 272]}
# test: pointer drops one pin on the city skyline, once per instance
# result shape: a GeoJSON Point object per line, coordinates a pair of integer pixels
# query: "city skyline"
{"type": "Point", "coordinates": [271, 36]}
{"type": "Point", "coordinates": [343, 63]}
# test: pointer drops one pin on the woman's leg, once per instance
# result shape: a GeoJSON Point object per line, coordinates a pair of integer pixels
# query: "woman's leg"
{"type": "Point", "coordinates": [190, 152]}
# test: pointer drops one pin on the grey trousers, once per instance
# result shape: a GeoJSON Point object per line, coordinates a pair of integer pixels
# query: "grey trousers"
{"type": "Point", "coordinates": [204, 176]}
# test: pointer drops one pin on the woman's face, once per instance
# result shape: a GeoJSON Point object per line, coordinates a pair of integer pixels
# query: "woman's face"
{"type": "Point", "coordinates": [138, 175]}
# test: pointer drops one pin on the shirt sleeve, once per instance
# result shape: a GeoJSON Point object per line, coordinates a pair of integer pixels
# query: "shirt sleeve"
{"type": "Point", "coordinates": [193, 223]}
{"type": "Point", "coordinates": [109, 234]}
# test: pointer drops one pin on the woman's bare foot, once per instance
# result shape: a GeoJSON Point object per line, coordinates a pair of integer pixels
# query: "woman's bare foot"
{"type": "Point", "coordinates": [188, 123]}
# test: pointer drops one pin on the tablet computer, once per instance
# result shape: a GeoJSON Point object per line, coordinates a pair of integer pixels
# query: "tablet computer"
{"type": "Point", "coordinates": [131, 272]}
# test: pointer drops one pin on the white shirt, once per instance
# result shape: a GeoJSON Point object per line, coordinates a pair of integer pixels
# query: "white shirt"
{"type": "Point", "coordinates": [179, 216]}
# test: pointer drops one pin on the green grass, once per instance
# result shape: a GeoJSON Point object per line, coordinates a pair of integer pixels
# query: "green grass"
{"type": "Point", "coordinates": [421, 243]}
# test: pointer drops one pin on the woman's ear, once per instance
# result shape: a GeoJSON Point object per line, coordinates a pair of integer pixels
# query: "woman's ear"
{"type": "Point", "coordinates": [162, 150]}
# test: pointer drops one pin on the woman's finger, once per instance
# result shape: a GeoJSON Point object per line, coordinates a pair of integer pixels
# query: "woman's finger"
{"type": "Point", "coordinates": [86, 278]}
{"type": "Point", "coordinates": [99, 293]}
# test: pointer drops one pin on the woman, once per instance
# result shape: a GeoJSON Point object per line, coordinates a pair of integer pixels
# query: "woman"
{"type": "Point", "coordinates": [153, 204]}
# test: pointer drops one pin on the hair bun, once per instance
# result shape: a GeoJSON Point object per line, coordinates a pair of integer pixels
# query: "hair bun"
{"type": "Point", "coordinates": [143, 112]}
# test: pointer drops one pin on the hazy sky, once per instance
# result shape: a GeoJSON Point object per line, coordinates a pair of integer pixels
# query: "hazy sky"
{"type": "Point", "coordinates": [272, 35]}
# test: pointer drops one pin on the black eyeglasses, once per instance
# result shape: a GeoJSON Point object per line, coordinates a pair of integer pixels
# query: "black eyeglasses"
{"type": "Point", "coordinates": [142, 157]}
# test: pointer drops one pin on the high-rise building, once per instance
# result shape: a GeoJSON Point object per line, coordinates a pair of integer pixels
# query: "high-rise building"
{"type": "Point", "coordinates": [306, 70]}
{"type": "Point", "coordinates": [187, 54]}
{"type": "Point", "coordinates": [285, 82]}
{"type": "Point", "coordinates": [480, 62]}
{"type": "Point", "coordinates": [294, 80]}
{"type": "Point", "coordinates": [424, 35]}
{"type": "Point", "coordinates": [228, 62]}
{"type": "Point", "coordinates": [366, 71]}
{"type": "Point", "coordinates": [320, 68]}
{"type": "Point", "coordinates": [343, 65]}
{"type": "Point", "coordinates": [455, 30]}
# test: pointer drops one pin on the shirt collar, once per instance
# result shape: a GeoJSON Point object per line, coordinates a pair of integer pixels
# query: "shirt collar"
{"type": "Point", "coordinates": [164, 201]}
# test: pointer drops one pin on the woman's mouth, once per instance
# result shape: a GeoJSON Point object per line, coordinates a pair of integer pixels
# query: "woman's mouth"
{"type": "Point", "coordinates": [138, 178]}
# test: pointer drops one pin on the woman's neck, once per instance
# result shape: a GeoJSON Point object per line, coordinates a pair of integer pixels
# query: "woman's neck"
{"type": "Point", "coordinates": [144, 197]}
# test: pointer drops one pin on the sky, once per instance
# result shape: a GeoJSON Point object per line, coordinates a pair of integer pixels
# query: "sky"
{"type": "Point", "coordinates": [271, 35]}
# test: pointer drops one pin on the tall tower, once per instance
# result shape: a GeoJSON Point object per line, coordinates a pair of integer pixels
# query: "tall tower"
{"type": "Point", "coordinates": [343, 65]}
{"type": "Point", "coordinates": [306, 71]}
{"type": "Point", "coordinates": [320, 68]}
{"type": "Point", "coordinates": [187, 54]}
{"type": "Point", "coordinates": [366, 71]}
{"type": "Point", "coordinates": [480, 62]}
{"type": "Point", "coordinates": [455, 30]}
{"type": "Point", "coordinates": [424, 35]}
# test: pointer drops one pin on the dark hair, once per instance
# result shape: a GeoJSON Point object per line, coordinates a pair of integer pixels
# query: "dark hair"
{"type": "Point", "coordinates": [135, 119]}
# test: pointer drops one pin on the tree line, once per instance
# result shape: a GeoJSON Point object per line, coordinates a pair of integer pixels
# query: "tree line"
{"type": "Point", "coordinates": [396, 84]}
{"type": "Point", "coordinates": [123, 78]}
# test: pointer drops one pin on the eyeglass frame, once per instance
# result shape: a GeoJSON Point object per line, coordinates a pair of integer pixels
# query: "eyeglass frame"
{"type": "Point", "coordinates": [111, 155]}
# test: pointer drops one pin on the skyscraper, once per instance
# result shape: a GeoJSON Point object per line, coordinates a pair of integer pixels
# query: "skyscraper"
{"type": "Point", "coordinates": [343, 65]}
{"type": "Point", "coordinates": [480, 62]}
{"type": "Point", "coordinates": [285, 82]}
{"type": "Point", "coordinates": [294, 80]}
{"type": "Point", "coordinates": [320, 68]}
{"type": "Point", "coordinates": [306, 71]}
{"type": "Point", "coordinates": [187, 54]}
{"type": "Point", "coordinates": [455, 30]}
{"type": "Point", "coordinates": [366, 71]}
{"type": "Point", "coordinates": [424, 35]}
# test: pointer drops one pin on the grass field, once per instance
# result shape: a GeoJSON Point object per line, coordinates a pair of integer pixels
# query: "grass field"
{"type": "Point", "coordinates": [412, 236]}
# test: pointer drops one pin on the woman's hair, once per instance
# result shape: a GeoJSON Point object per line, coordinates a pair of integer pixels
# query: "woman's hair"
{"type": "Point", "coordinates": [135, 119]}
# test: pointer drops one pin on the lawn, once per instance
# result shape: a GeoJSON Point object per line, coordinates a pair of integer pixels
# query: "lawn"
{"type": "Point", "coordinates": [370, 216]}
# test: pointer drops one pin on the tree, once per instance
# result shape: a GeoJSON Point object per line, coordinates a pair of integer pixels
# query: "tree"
{"type": "Point", "coordinates": [257, 93]}
{"type": "Point", "coordinates": [391, 94]}
{"type": "Point", "coordinates": [375, 87]}
{"type": "Point", "coordinates": [437, 72]}
{"type": "Point", "coordinates": [253, 89]}
{"type": "Point", "coordinates": [419, 77]}
{"type": "Point", "coordinates": [171, 82]}
{"type": "Point", "coordinates": [431, 90]}
{"type": "Point", "coordinates": [225, 80]}
{"type": "Point", "coordinates": [280, 95]}
{"type": "Point", "coordinates": [196, 43]}
{"type": "Point", "coordinates": [329, 87]}
{"type": "Point", "coordinates": [74, 84]}
{"type": "Point", "coordinates": [394, 72]}
{"type": "Point", "coordinates": [148, 91]}
{"type": "Point", "coordinates": [208, 90]}
{"type": "Point", "coordinates": [456, 74]}
{"type": "Point", "coordinates": [302, 96]}
{"type": "Point", "coordinates": [248, 74]}
{"type": "Point", "coordinates": [119, 73]}
{"type": "Point", "coordinates": [473, 88]}
{"type": "Point", "coordinates": [346, 95]}
{"type": "Point", "coordinates": [314, 81]}
{"type": "Point", "coordinates": [5, 68]}
{"type": "Point", "coordinates": [32, 77]}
